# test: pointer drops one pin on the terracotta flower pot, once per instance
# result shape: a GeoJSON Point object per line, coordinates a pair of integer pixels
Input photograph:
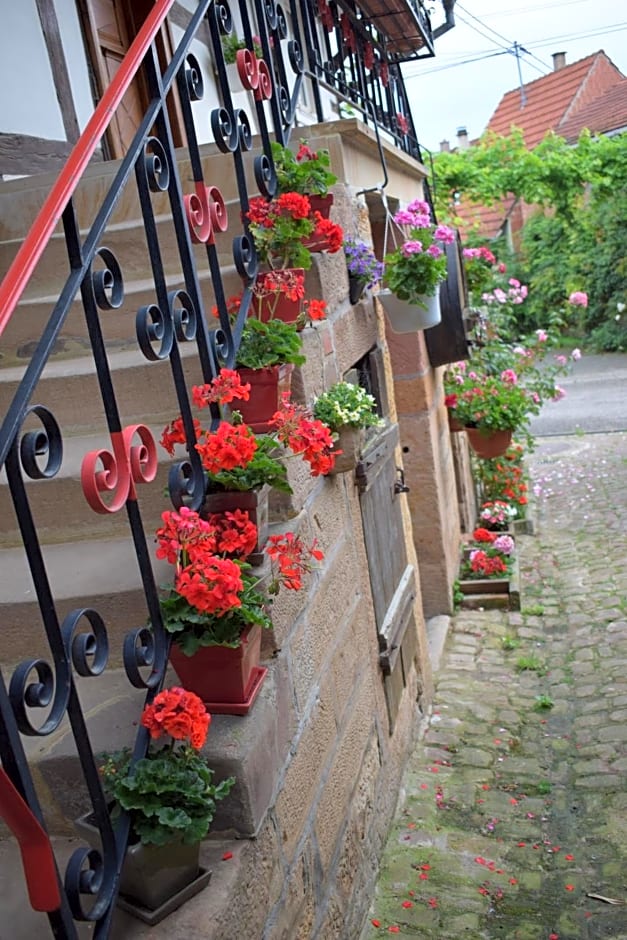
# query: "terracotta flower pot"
{"type": "Point", "coordinates": [321, 203]}
{"type": "Point", "coordinates": [226, 679]}
{"type": "Point", "coordinates": [453, 423]}
{"type": "Point", "coordinates": [408, 318]}
{"type": "Point", "coordinates": [267, 387]}
{"type": "Point", "coordinates": [275, 304]}
{"type": "Point", "coordinates": [493, 444]}
{"type": "Point", "coordinates": [349, 442]}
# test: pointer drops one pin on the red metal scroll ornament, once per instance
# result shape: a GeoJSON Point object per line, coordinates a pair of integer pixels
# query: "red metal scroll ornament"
{"type": "Point", "coordinates": [36, 851]}
{"type": "Point", "coordinates": [206, 212]}
{"type": "Point", "coordinates": [254, 74]}
{"type": "Point", "coordinates": [121, 470]}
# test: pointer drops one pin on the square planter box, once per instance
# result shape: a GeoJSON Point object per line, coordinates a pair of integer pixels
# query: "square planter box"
{"type": "Point", "coordinates": [492, 592]}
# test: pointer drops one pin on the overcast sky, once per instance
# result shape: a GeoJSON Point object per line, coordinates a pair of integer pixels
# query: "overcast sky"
{"type": "Point", "coordinates": [445, 94]}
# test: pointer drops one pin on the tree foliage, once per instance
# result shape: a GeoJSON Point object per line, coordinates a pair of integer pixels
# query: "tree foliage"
{"type": "Point", "coordinates": [576, 239]}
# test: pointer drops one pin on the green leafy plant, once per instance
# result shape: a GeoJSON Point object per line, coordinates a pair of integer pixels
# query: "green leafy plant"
{"type": "Point", "coordinates": [531, 663]}
{"type": "Point", "coordinates": [307, 171]}
{"type": "Point", "coordinates": [264, 467]}
{"type": "Point", "coordinates": [543, 703]}
{"type": "Point", "coordinates": [269, 344]}
{"type": "Point", "coordinates": [544, 787]}
{"type": "Point", "coordinates": [346, 404]}
{"type": "Point", "coordinates": [533, 610]}
{"type": "Point", "coordinates": [278, 227]}
{"type": "Point", "coordinates": [169, 794]}
{"type": "Point", "coordinates": [231, 45]}
{"type": "Point", "coordinates": [193, 628]}
{"type": "Point", "coordinates": [510, 643]}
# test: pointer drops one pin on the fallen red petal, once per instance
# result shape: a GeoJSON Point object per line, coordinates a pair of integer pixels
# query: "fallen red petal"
{"type": "Point", "coordinates": [569, 858]}
{"type": "Point", "coordinates": [407, 904]}
{"type": "Point", "coordinates": [570, 887]}
{"type": "Point", "coordinates": [375, 923]}
{"type": "Point", "coordinates": [432, 902]}
{"type": "Point", "coordinates": [513, 881]}
{"type": "Point", "coordinates": [394, 929]}
{"type": "Point", "coordinates": [426, 867]}
{"type": "Point", "coordinates": [227, 856]}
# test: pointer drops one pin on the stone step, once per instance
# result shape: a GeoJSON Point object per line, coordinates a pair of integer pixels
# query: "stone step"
{"type": "Point", "coordinates": [21, 335]}
{"type": "Point", "coordinates": [144, 390]}
{"type": "Point", "coordinates": [99, 573]}
{"type": "Point", "coordinates": [236, 745]}
{"type": "Point", "coordinates": [60, 509]}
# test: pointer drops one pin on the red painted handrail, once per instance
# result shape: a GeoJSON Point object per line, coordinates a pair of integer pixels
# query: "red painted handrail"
{"type": "Point", "coordinates": [37, 855]}
{"type": "Point", "coordinates": [42, 228]}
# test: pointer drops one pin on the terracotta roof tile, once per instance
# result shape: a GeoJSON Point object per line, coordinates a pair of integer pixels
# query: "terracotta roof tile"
{"type": "Point", "coordinates": [554, 97]}
{"type": "Point", "coordinates": [484, 220]}
{"type": "Point", "coordinates": [606, 113]}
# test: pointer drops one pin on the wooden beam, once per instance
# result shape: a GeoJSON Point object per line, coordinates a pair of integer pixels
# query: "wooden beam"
{"type": "Point", "coordinates": [23, 155]}
{"type": "Point", "coordinates": [181, 17]}
{"type": "Point", "coordinates": [56, 55]}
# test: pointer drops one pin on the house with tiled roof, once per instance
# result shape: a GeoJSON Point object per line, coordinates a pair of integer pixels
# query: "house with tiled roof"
{"type": "Point", "coordinates": [588, 94]}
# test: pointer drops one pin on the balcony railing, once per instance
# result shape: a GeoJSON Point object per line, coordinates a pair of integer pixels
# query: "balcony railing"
{"type": "Point", "coordinates": [344, 56]}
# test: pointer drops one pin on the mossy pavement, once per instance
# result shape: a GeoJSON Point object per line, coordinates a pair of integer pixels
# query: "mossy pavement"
{"type": "Point", "coordinates": [514, 803]}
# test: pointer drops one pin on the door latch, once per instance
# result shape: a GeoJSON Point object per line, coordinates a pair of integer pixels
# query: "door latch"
{"type": "Point", "coordinates": [400, 486]}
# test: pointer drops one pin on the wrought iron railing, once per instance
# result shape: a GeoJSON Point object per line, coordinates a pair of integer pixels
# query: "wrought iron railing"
{"type": "Point", "coordinates": [340, 55]}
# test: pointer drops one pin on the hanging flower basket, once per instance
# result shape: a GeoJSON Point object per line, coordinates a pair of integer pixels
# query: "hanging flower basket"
{"type": "Point", "coordinates": [492, 444]}
{"type": "Point", "coordinates": [408, 318]}
{"type": "Point", "coordinates": [266, 389]}
{"type": "Point", "coordinates": [227, 679]}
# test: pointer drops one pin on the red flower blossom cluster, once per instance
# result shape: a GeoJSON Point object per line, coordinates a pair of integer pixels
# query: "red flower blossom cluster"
{"type": "Point", "coordinates": [225, 388]}
{"type": "Point", "coordinates": [486, 565]}
{"type": "Point", "coordinates": [287, 205]}
{"type": "Point", "coordinates": [235, 534]}
{"type": "Point", "coordinates": [292, 556]}
{"type": "Point", "coordinates": [212, 585]}
{"type": "Point", "coordinates": [228, 447]}
{"type": "Point", "coordinates": [504, 478]}
{"type": "Point", "coordinates": [305, 435]}
{"type": "Point", "coordinates": [326, 236]}
{"type": "Point", "coordinates": [483, 535]}
{"type": "Point", "coordinates": [184, 535]}
{"type": "Point", "coordinates": [180, 714]}
{"type": "Point", "coordinates": [174, 433]}
{"type": "Point", "coordinates": [288, 281]}
{"type": "Point", "coordinates": [315, 309]}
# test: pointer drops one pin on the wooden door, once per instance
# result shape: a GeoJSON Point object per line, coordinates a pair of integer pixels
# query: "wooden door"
{"type": "Point", "coordinates": [392, 577]}
{"type": "Point", "coordinates": [110, 27]}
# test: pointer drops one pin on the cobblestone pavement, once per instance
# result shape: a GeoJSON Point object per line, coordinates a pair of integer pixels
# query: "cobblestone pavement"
{"type": "Point", "coordinates": [515, 802]}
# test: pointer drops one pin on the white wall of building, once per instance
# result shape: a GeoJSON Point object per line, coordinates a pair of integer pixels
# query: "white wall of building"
{"type": "Point", "coordinates": [28, 103]}
{"type": "Point", "coordinates": [76, 59]}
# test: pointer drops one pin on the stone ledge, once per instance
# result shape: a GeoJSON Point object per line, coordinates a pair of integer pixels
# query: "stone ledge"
{"type": "Point", "coordinates": [252, 748]}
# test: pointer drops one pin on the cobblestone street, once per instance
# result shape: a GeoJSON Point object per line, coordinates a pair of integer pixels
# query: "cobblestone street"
{"type": "Point", "coordinates": [514, 812]}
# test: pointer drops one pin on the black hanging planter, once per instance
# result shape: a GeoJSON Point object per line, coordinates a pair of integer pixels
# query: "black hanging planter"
{"type": "Point", "coordinates": [356, 287]}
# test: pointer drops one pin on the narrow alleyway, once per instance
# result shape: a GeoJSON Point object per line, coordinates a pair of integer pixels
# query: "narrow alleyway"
{"type": "Point", "coordinates": [514, 813]}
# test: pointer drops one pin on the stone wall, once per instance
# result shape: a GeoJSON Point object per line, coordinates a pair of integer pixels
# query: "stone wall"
{"type": "Point", "coordinates": [294, 849]}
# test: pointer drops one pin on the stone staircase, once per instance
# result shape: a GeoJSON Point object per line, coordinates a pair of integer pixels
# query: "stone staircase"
{"type": "Point", "coordinates": [89, 556]}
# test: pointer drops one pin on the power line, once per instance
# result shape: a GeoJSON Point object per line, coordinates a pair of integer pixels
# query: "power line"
{"type": "Point", "coordinates": [601, 31]}
{"type": "Point", "coordinates": [451, 65]}
{"type": "Point", "coordinates": [501, 36]}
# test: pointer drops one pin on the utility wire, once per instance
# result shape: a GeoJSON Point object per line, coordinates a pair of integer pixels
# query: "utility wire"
{"type": "Point", "coordinates": [501, 36]}
{"type": "Point", "coordinates": [451, 65]}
